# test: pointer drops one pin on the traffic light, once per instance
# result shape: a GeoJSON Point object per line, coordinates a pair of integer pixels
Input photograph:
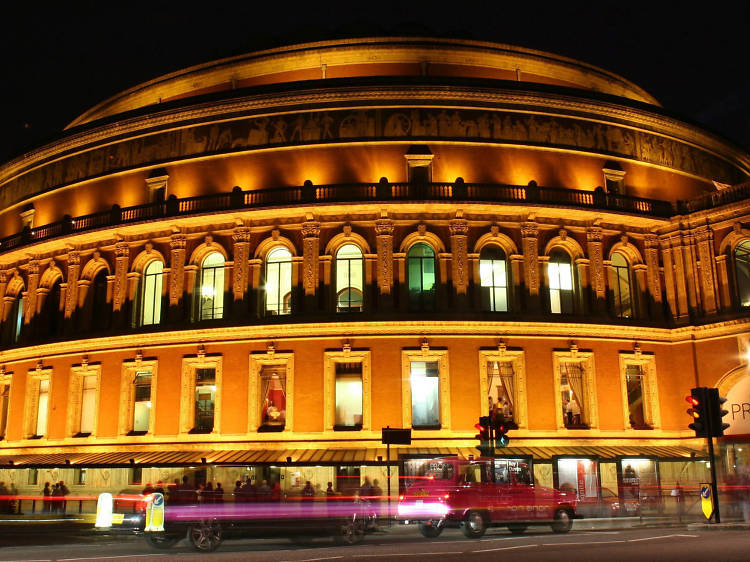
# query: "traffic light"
{"type": "Point", "coordinates": [699, 403]}
{"type": "Point", "coordinates": [501, 435]}
{"type": "Point", "coordinates": [717, 412]}
{"type": "Point", "coordinates": [486, 447]}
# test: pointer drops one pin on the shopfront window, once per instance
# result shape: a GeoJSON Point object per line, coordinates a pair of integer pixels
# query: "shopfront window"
{"type": "Point", "coordinates": [273, 397]}
{"type": "Point", "coordinates": [88, 404]}
{"type": "Point", "coordinates": [279, 281]}
{"type": "Point", "coordinates": [348, 396]}
{"type": "Point", "coordinates": [425, 396]}
{"type": "Point", "coordinates": [142, 401]}
{"type": "Point", "coordinates": [151, 287]}
{"type": "Point", "coordinates": [205, 399]}
{"type": "Point", "coordinates": [560, 274]}
{"type": "Point", "coordinates": [621, 293]}
{"type": "Point", "coordinates": [349, 279]}
{"type": "Point", "coordinates": [421, 277]}
{"type": "Point", "coordinates": [742, 272]}
{"type": "Point", "coordinates": [211, 287]}
{"type": "Point", "coordinates": [579, 476]}
{"type": "Point", "coordinates": [634, 383]}
{"type": "Point", "coordinates": [501, 384]}
{"type": "Point", "coordinates": [639, 481]}
{"type": "Point", "coordinates": [573, 388]}
{"type": "Point", "coordinates": [493, 279]}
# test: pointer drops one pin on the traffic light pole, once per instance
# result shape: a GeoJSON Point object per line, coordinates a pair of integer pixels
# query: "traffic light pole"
{"type": "Point", "coordinates": [714, 486]}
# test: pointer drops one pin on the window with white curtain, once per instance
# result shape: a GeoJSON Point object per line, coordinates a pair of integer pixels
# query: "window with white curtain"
{"type": "Point", "coordinates": [425, 394]}
{"type": "Point", "coordinates": [88, 404]}
{"type": "Point", "coordinates": [42, 409]}
{"type": "Point", "coordinates": [573, 388]}
{"type": "Point", "coordinates": [211, 287]}
{"type": "Point", "coordinates": [501, 383]}
{"type": "Point", "coordinates": [142, 401]}
{"type": "Point", "coordinates": [151, 287]}
{"type": "Point", "coordinates": [278, 289]}
{"type": "Point", "coordinates": [348, 395]}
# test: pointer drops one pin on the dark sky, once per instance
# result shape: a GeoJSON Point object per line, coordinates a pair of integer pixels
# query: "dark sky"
{"type": "Point", "coordinates": [59, 59]}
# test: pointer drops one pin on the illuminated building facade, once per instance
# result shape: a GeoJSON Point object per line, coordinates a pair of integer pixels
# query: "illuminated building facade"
{"type": "Point", "coordinates": [253, 265]}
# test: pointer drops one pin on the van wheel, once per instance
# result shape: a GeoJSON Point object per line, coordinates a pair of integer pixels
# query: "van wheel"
{"type": "Point", "coordinates": [474, 525]}
{"type": "Point", "coordinates": [517, 529]}
{"type": "Point", "coordinates": [432, 529]}
{"type": "Point", "coordinates": [563, 522]}
{"type": "Point", "coordinates": [205, 536]}
{"type": "Point", "coordinates": [161, 541]}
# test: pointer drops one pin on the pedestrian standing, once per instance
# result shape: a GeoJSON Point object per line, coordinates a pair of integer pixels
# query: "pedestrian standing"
{"type": "Point", "coordinates": [46, 493]}
{"type": "Point", "coordinates": [63, 493]}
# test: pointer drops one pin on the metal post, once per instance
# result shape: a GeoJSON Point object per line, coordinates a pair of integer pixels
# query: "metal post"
{"type": "Point", "coordinates": [388, 472]}
{"type": "Point", "coordinates": [714, 486]}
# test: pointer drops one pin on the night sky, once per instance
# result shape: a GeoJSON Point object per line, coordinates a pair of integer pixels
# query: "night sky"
{"type": "Point", "coordinates": [58, 60]}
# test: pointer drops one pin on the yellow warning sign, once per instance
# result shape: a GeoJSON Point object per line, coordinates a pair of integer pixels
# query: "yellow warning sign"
{"type": "Point", "coordinates": [155, 513]}
{"type": "Point", "coordinates": [707, 500]}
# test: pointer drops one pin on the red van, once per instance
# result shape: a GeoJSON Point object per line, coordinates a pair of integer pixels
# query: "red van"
{"type": "Point", "coordinates": [477, 494]}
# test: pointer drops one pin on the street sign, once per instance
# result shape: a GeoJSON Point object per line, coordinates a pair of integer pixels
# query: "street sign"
{"type": "Point", "coordinates": [396, 436]}
{"type": "Point", "coordinates": [707, 501]}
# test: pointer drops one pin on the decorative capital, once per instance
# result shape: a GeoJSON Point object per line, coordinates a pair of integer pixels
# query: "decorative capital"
{"type": "Point", "coordinates": [529, 230]}
{"type": "Point", "coordinates": [459, 227]}
{"type": "Point", "coordinates": [593, 234]}
{"type": "Point", "coordinates": [241, 234]}
{"type": "Point", "coordinates": [122, 250]}
{"type": "Point", "coordinates": [702, 233]}
{"type": "Point", "coordinates": [384, 227]}
{"type": "Point", "coordinates": [310, 229]}
{"type": "Point", "coordinates": [178, 241]}
{"type": "Point", "coordinates": [651, 241]}
{"type": "Point", "coordinates": [74, 258]}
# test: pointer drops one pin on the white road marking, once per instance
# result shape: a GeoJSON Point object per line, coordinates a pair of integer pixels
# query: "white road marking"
{"type": "Point", "coordinates": [578, 543]}
{"type": "Point", "coordinates": [404, 554]}
{"type": "Point", "coordinates": [507, 548]}
{"type": "Point", "coordinates": [661, 537]}
{"type": "Point", "coordinates": [110, 557]}
{"type": "Point", "coordinates": [314, 559]}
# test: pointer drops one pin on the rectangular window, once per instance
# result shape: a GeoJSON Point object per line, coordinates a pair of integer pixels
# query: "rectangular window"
{"type": "Point", "coordinates": [33, 477]}
{"type": "Point", "coordinates": [42, 409]}
{"type": "Point", "coordinates": [348, 395]}
{"type": "Point", "coordinates": [634, 384]}
{"type": "Point", "coordinates": [560, 287]}
{"type": "Point", "coordinates": [142, 401]}
{"type": "Point", "coordinates": [425, 397]}
{"type": "Point", "coordinates": [4, 404]}
{"type": "Point", "coordinates": [136, 476]}
{"type": "Point", "coordinates": [88, 404]}
{"type": "Point", "coordinates": [205, 396]}
{"type": "Point", "coordinates": [573, 389]}
{"type": "Point", "coordinates": [579, 476]}
{"type": "Point", "coordinates": [79, 476]}
{"type": "Point", "coordinates": [501, 385]}
{"type": "Point", "coordinates": [273, 397]}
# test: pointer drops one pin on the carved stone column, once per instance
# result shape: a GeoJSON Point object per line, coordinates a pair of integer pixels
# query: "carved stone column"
{"type": "Point", "coordinates": [311, 257]}
{"type": "Point", "coordinates": [530, 241]}
{"type": "Point", "coordinates": [384, 234]}
{"type": "Point", "coordinates": [669, 280]}
{"type": "Point", "coordinates": [722, 280]}
{"type": "Point", "coordinates": [120, 289]}
{"type": "Point", "coordinates": [460, 273]}
{"type": "Point", "coordinates": [596, 270]}
{"type": "Point", "coordinates": [705, 242]}
{"type": "Point", "coordinates": [690, 275]}
{"type": "Point", "coordinates": [32, 284]}
{"type": "Point", "coordinates": [176, 276]}
{"type": "Point", "coordinates": [652, 289]}
{"type": "Point", "coordinates": [241, 269]}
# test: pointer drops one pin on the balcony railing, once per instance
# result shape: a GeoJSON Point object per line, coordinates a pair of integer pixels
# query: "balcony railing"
{"type": "Point", "coordinates": [341, 193]}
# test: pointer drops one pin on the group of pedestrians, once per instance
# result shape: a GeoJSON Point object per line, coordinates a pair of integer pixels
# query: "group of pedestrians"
{"type": "Point", "coordinates": [54, 497]}
{"type": "Point", "coordinates": [185, 493]}
{"type": "Point", "coordinates": [8, 498]}
{"type": "Point", "coordinates": [247, 491]}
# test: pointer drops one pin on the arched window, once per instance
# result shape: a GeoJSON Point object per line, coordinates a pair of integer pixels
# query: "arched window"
{"type": "Point", "coordinates": [14, 321]}
{"type": "Point", "coordinates": [211, 287]}
{"type": "Point", "coordinates": [151, 285]}
{"type": "Point", "coordinates": [51, 312]}
{"type": "Point", "coordinates": [349, 279]}
{"type": "Point", "coordinates": [279, 281]}
{"type": "Point", "coordinates": [742, 271]}
{"type": "Point", "coordinates": [493, 279]}
{"type": "Point", "coordinates": [560, 273]}
{"type": "Point", "coordinates": [99, 309]}
{"type": "Point", "coordinates": [421, 277]}
{"type": "Point", "coordinates": [621, 293]}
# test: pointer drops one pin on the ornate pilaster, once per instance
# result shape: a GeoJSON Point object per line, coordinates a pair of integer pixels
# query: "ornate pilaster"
{"type": "Point", "coordinates": [530, 246]}
{"type": "Point", "coordinates": [311, 256]}
{"type": "Point", "coordinates": [596, 262]}
{"type": "Point", "coordinates": [690, 277]}
{"type": "Point", "coordinates": [651, 244]}
{"type": "Point", "coordinates": [74, 272]}
{"type": "Point", "coordinates": [669, 281]}
{"type": "Point", "coordinates": [705, 241]}
{"type": "Point", "coordinates": [32, 273]}
{"type": "Point", "coordinates": [120, 290]}
{"type": "Point", "coordinates": [722, 279]}
{"type": "Point", "coordinates": [241, 271]}
{"type": "Point", "coordinates": [459, 229]}
{"type": "Point", "coordinates": [176, 268]}
{"type": "Point", "coordinates": [384, 232]}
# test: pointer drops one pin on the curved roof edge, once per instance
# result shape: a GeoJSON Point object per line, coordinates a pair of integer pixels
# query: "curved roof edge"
{"type": "Point", "coordinates": [369, 56]}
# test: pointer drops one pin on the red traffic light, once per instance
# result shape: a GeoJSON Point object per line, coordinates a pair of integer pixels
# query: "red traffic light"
{"type": "Point", "coordinates": [480, 428]}
{"type": "Point", "coordinates": [692, 401]}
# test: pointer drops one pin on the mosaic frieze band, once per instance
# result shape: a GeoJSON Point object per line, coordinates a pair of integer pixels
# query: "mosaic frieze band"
{"type": "Point", "coordinates": [385, 124]}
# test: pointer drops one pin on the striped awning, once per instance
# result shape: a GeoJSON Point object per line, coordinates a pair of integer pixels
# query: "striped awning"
{"type": "Point", "coordinates": [328, 456]}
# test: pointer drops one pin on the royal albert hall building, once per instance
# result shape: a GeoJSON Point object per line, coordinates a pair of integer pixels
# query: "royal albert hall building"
{"type": "Point", "coordinates": [248, 268]}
